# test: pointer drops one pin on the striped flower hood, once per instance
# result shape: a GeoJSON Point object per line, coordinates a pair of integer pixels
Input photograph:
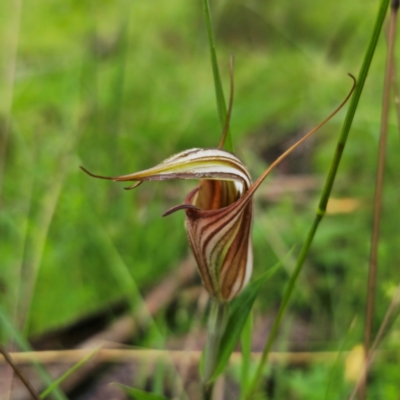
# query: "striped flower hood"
{"type": "Point", "coordinates": [218, 214]}
{"type": "Point", "coordinates": [219, 210]}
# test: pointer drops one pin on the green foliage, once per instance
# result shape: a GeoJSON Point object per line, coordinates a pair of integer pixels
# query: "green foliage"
{"type": "Point", "coordinates": [239, 314]}
{"type": "Point", "coordinates": [221, 105]}
{"type": "Point", "coordinates": [64, 376]}
{"type": "Point", "coordinates": [8, 330]}
{"type": "Point", "coordinates": [246, 346]}
{"type": "Point", "coordinates": [138, 394]}
{"type": "Point", "coordinates": [120, 87]}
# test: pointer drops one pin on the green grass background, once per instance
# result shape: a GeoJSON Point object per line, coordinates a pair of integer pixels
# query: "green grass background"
{"type": "Point", "coordinates": [118, 86]}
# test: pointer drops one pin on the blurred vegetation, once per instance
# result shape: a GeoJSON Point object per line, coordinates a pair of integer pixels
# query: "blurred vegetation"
{"type": "Point", "coordinates": [120, 86]}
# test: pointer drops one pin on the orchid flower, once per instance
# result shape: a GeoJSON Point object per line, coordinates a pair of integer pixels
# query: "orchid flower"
{"type": "Point", "coordinates": [219, 210]}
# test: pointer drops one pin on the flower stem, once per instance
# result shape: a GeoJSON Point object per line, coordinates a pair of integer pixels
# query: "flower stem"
{"type": "Point", "coordinates": [216, 326]}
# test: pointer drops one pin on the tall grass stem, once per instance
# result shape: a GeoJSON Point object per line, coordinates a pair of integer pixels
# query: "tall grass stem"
{"type": "Point", "coordinates": [373, 261]}
{"type": "Point", "coordinates": [221, 104]}
{"type": "Point", "coordinates": [325, 193]}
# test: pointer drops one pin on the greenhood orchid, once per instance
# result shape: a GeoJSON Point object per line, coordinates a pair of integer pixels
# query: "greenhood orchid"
{"type": "Point", "coordinates": [219, 210]}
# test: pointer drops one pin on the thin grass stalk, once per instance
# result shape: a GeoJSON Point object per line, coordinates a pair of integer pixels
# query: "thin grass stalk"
{"type": "Point", "coordinates": [21, 376]}
{"type": "Point", "coordinates": [396, 96]}
{"type": "Point", "coordinates": [245, 343]}
{"type": "Point", "coordinates": [379, 336]}
{"type": "Point", "coordinates": [127, 283]}
{"type": "Point", "coordinates": [219, 93]}
{"type": "Point", "coordinates": [22, 343]}
{"type": "Point", "coordinates": [336, 368]}
{"type": "Point", "coordinates": [70, 371]}
{"type": "Point", "coordinates": [325, 193]}
{"type": "Point", "coordinates": [35, 248]}
{"type": "Point", "coordinates": [10, 53]}
{"type": "Point", "coordinates": [396, 93]}
{"type": "Point", "coordinates": [41, 223]}
{"type": "Point", "coordinates": [216, 326]}
{"type": "Point", "coordinates": [373, 262]}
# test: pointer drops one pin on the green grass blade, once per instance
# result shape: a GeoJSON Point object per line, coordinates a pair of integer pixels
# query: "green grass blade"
{"type": "Point", "coordinates": [326, 190]}
{"type": "Point", "coordinates": [362, 76]}
{"type": "Point", "coordinates": [334, 382]}
{"type": "Point", "coordinates": [246, 341]}
{"type": "Point", "coordinates": [217, 79]}
{"type": "Point", "coordinates": [240, 310]}
{"type": "Point", "coordinates": [61, 379]}
{"type": "Point", "coordinates": [24, 345]}
{"type": "Point", "coordinates": [141, 394]}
